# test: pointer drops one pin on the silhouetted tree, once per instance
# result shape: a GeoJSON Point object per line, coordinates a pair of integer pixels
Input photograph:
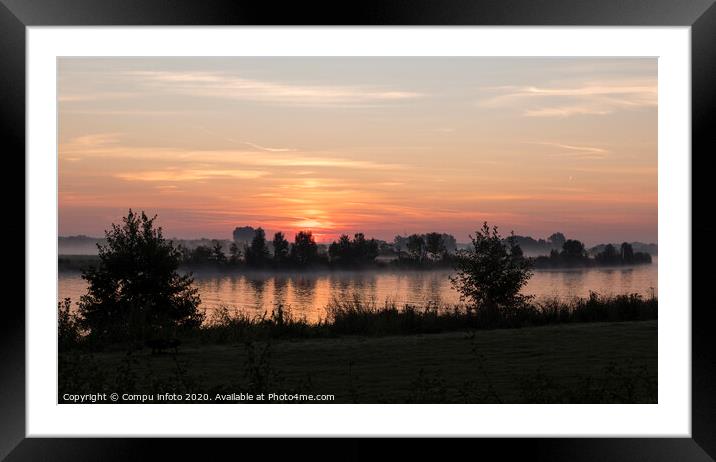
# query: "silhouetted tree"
{"type": "Point", "coordinates": [557, 240]}
{"type": "Point", "coordinates": [234, 254]}
{"type": "Point", "coordinates": [385, 248]}
{"type": "Point", "coordinates": [515, 249]}
{"type": "Point", "coordinates": [627, 253]}
{"type": "Point", "coordinates": [608, 256]}
{"type": "Point", "coordinates": [280, 248]}
{"type": "Point", "coordinates": [642, 257]}
{"type": "Point", "coordinates": [364, 250]}
{"type": "Point", "coordinates": [435, 245]}
{"type": "Point", "coordinates": [217, 253]}
{"type": "Point", "coordinates": [257, 253]}
{"type": "Point", "coordinates": [243, 234]}
{"type": "Point", "coordinates": [201, 255]}
{"type": "Point", "coordinates": [573, 249]}
{"type": "Point", "coordinates": [185, 253]}
{"type": "Point", "coordinates": [340, 251]}
{"type": "Point", "coordinates": [136, 291]}
{"type": "Point", "coordinates": [449, 242]}
{"type": "Point", "coordinates": [304, 250]}
{"type": "Point", "coordinates": [68, 329]}
{"type": "Point", "coordinates": [360, 251]}
{"type": "Point", "coordinates": [491, 272]}
{"type": "Point", "coordinates": [400, 243]}
{"type": "Point", "coordinates": [416, 246]}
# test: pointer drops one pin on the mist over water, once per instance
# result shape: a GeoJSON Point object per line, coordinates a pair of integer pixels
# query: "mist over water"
{"type": "Point", "coordinates": [308, 293]}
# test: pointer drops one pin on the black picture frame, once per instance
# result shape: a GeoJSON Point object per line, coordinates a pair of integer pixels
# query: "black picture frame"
{"type": "Point", "coordinates": [700, 15]}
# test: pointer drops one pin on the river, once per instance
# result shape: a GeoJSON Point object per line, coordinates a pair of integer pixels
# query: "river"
{"type": "Point", "coordinates": [308, 293]}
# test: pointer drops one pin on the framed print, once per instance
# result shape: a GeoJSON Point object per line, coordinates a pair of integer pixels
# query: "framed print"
{"type": "Point", "coordinates": [244, 222]}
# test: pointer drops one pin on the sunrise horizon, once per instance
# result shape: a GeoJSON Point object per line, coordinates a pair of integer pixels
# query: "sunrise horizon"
{"type": "Point", "coordinates": [328, 238]}
{"type": "Point", "coordinates": [382, 146]}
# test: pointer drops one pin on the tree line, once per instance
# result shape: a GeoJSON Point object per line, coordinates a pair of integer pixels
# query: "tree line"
{"type": "Point", "coordinates": [574, 254]}
{"type": "Point", "coordinates": [430, 249]}
{"type": "Point", "coordinates": [259, 253]}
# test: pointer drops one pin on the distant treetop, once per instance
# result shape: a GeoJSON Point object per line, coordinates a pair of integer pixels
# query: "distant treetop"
{"type": "Point", "coordinates": [243, 233]}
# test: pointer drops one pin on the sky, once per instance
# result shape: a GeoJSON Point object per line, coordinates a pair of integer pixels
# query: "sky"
{"type": "Point", "coordinates": [384, 146]}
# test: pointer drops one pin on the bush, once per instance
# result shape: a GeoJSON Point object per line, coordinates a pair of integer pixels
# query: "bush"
{"type": "Point", "coordinates": [136, 292]}
{"type": "Point", "coordinates": [68, 329]}
{"type": "Point", "coordinates": [491, 273]}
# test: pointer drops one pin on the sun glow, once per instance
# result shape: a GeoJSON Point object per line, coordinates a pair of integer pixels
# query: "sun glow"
{"type": "Point", "coordinates": [376, 145]}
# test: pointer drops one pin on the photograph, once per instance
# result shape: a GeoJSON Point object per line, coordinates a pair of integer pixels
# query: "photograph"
{"type": "Point", "coordinates": [357, 230]}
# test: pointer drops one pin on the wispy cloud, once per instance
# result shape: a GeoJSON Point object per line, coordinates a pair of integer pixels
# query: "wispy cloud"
{"type": "Point", "coordinates": [571, 147]}
{"type": "Point", "coordinates": [77, 148]}
{"type": "Point", "coordinates": [172, 175]}
{"type": "Point", "coordinates": [588, 98]}
{"type": "Point", "coordinates": [565, 111]}
{"type": "Point", "coordinates": [315, 161]}
{"type": "Point", "coordinates": [95, 140]}
{"type": "Point", "coordinates": [574, 151]}
{"type": "Point", "coordinates": [227, 85]}
{"type": "Point", "coordinates": [109, 145]}
{"type": "Point", "coordinates": [267, 149]}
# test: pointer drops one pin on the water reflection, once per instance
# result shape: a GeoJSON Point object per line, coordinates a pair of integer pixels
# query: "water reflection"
{"type": "Point", "coordinates": [280, 289]}
{"type": "Point", "coordinates": [307, 294]}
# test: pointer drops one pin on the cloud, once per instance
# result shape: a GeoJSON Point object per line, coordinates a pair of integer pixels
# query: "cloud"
{"type": "Point", "coordinates": [315, 161]}
{"type": "Point", "coordinates": [95, 140]}
{"type": "Point", "coordinates": [578, 152]}
{"type": "Point", "coordinates": [264, 148]}
{"type": "Point", "coordinates": [565, 111]}
{"type": "Point", "coordinates": [173, 175]}
{"type": "Point", "coordinates": [109, 145]}
{"type": "Point", "coordinates": [78, 147]}
{"type": "Point", "coordinates": [571, 147]}
{"type": "Point", "coordinates": [224, 85]}
{"type": "Point", "coordinates": [588, 98]}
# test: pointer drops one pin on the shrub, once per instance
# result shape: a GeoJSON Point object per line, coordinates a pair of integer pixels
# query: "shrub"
{"type": "Point", "coordinates": [136, 291]}
{"type": "Point", "coordinates": [68, 329]}
{"type": "Point", "coordinates": [490, 274]}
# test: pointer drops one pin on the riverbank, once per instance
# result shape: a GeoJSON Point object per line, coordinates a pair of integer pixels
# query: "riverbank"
{"type": "Point", "coordinates": [575, 363]}
{"type": "Point", "coordinates": [356, 315]}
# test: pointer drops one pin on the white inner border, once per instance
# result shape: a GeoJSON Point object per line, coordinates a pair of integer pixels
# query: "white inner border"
{"type": "Point", "coordinates": [671, 417]}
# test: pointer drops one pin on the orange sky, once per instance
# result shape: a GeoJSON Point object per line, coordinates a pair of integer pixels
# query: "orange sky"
{"type": "Point", "coordinates": [379, 145]}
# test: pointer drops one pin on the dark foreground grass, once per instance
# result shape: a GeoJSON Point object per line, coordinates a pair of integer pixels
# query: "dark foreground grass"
{"type": "Point", "coordinates": [358, 316]}
{"type": "Point", "coordinates": [601, 362]}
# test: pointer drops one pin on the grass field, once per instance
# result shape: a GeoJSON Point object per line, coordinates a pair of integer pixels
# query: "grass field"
{"type": "Point", "coordinates": [580, 362]}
